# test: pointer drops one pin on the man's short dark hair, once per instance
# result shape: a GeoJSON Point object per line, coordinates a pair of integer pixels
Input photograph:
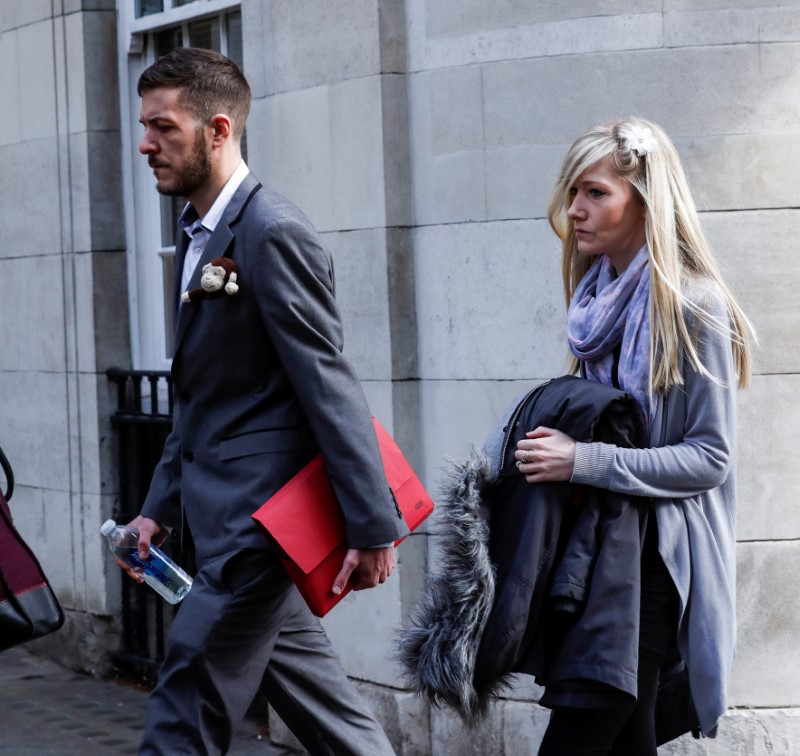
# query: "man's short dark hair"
{"type": "Point", "coordinates": [209, 82]}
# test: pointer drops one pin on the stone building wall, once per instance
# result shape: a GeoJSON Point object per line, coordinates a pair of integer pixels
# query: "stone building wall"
{"type": "Point", "coordinates": [62, 299]}
{"type": "Point", "coordinates": [496, 92]}
{"type": "Point", "coordinates": [422, 137]}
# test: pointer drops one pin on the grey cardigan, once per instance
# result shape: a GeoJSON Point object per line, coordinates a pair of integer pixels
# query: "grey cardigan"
{"type": "Point", "coordinates": [690, 473]}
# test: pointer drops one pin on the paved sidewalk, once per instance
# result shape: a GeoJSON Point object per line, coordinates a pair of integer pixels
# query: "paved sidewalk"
{"type": "Point", "coordinates": [46, 710]}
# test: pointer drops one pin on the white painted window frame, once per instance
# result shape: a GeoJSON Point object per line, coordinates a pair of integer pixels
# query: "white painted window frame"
{"type": "Point", "coordinates": [142, 204]}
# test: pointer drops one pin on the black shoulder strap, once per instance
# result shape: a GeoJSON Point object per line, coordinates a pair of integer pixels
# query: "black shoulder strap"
{"type": "Point", "coordinates": [9, 473]}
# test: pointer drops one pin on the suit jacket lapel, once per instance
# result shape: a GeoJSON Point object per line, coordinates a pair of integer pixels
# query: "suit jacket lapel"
{"type": "Point", "coordinates": [181, 245]}
{"type": "Point", "coordinates": [218, 246]}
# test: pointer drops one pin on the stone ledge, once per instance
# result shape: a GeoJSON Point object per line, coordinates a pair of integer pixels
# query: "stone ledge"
{"type": "Point", "coordinates": [515, 727]}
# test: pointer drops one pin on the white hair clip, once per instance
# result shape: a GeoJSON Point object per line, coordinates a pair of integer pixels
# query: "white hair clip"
{"type": "Point", "coordinates": [639, 138]}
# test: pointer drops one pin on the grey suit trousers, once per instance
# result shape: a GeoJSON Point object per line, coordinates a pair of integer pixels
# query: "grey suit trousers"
{"type": "Point", "coordinates": [242, 627]}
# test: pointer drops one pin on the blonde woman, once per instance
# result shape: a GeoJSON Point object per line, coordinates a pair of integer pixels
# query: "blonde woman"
{"type": "Point", "coordinates": [650, 313]}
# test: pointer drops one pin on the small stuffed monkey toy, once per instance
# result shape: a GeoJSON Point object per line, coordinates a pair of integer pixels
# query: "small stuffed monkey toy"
{"type": "Point", "coordinates": [219, 275]}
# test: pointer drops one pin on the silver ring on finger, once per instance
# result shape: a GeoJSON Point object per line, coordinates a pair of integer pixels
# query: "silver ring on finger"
{"type": "Point", "coordinates": [525, 458]}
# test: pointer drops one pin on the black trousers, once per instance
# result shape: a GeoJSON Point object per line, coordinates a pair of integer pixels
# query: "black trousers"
{"type": "Point", "coordinates": [626, 730]}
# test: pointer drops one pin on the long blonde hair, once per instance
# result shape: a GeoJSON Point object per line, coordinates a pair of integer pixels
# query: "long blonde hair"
{"type": "Point", "coordinates": [679, 252]}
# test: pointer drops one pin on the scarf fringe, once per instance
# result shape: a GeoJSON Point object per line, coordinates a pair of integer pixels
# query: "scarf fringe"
{"type": "Point", "coordinates": [439, 650]}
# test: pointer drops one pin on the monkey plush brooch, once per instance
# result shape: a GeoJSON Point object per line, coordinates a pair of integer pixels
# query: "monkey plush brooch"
{"type": "Point", "coordinates": [219, 275]}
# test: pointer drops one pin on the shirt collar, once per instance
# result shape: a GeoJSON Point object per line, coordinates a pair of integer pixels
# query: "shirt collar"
{"type": "Point", "coordinates": [188, 218]}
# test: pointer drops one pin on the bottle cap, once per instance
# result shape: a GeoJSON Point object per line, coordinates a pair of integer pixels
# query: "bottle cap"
{"type": "Point", "coordinates": [107, 528]}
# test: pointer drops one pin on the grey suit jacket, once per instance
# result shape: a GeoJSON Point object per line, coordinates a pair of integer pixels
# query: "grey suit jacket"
{"type": "Point", "coordinates": [261, 385]}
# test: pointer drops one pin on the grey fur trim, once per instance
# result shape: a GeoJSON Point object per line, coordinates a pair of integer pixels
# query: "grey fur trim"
{"type": "Point", "coordinates": [439, 650]}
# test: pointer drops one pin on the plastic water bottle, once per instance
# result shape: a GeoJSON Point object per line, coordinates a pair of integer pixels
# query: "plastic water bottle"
{"type": "Point", "coordinates": [158, 570]}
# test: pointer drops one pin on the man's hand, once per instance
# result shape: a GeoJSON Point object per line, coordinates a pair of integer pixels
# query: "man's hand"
{"type": "Point", "coordinates": [150, 531]}
{"type": "Point", "coordinates": [365, 568]}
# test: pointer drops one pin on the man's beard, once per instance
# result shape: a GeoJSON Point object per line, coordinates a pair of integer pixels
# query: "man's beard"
{"type": "Point", "coordinates": [192, 175]}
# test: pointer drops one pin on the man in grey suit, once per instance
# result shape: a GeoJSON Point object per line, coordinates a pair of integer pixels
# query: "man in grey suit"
{"type": "Point", "coordinates": [261, 386]}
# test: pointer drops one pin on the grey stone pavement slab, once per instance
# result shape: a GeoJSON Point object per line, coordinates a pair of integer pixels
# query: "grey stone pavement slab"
{"type": "Point", "coordinates": [46, 710]}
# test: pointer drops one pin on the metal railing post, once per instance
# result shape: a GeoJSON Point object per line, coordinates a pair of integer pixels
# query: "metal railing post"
{"type": "Point", "coordinates": [140, 428]}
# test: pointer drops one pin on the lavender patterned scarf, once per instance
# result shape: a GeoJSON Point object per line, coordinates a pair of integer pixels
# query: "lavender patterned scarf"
{"type": "Point", "coordinates": [607, 312]}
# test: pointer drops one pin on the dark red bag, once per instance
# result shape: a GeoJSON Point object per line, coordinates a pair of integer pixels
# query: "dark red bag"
{"type": "Point", "coordinates": [28, 607]}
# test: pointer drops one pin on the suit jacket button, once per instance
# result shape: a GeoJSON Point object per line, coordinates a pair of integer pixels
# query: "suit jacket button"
{"type": "Point", "coordinates": [185, 397]}
{"type": "Point", "coordinates": [188, 456]}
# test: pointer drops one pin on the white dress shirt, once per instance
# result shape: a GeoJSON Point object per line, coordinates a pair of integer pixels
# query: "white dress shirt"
{"type": "Point", "coordinates": [199, 230]}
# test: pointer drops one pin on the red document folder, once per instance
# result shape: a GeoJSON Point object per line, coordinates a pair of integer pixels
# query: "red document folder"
{"type": "Point", "coordinates": [306, 523]}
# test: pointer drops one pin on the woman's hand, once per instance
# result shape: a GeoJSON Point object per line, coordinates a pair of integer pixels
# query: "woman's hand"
{"type": "Point", "coordinates": [545, 454]}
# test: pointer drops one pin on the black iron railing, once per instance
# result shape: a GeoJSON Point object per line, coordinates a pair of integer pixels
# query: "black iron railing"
{"type": "Point", "coordinates": [141, 423]}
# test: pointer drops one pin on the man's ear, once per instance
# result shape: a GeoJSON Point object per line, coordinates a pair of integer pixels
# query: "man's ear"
{"type": "Point", "coordinates": [222, 128]}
